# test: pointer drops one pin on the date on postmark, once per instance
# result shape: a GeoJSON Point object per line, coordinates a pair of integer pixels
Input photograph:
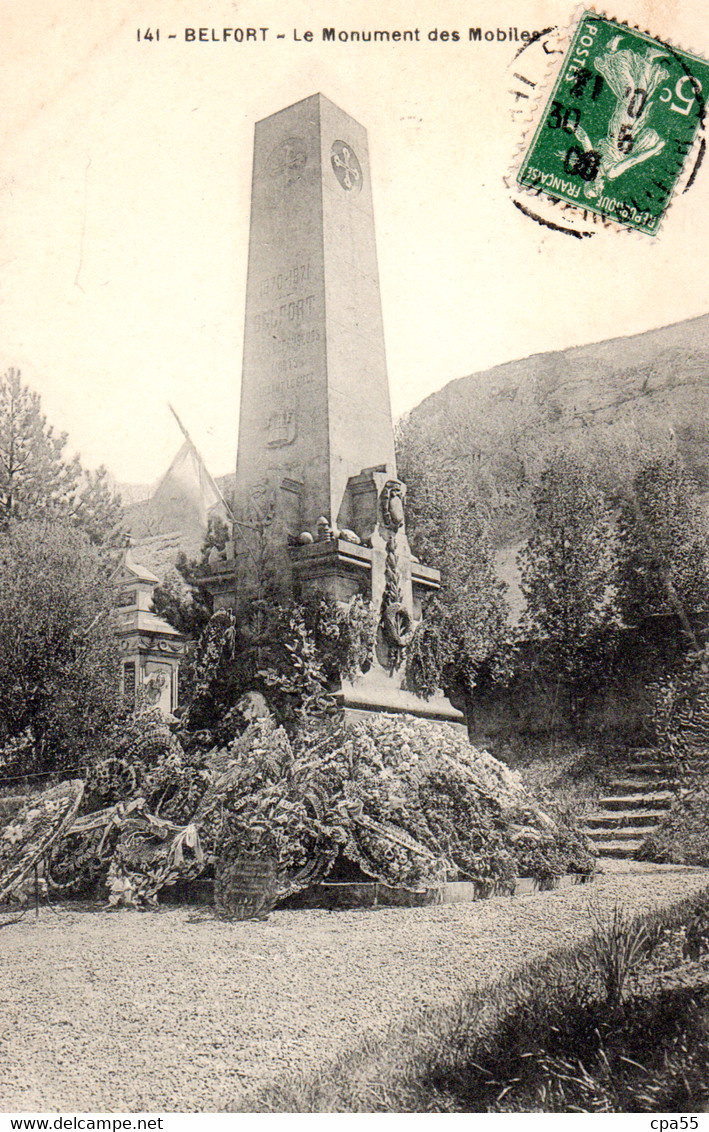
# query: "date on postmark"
{"type": "Point", "coordinates": [622, 117]}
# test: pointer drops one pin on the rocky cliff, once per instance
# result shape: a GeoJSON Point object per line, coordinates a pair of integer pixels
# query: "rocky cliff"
{"type": "Point", "coordinates": [613, 401]}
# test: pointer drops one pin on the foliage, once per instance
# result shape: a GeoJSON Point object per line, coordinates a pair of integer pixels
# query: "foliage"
{"type": "Point", "coordinates": [135, 831]}
{"type": "Point", "coordinates": [138, 751]}
{"type": "Point", "coordinates": [175, 785]}
{"type": "Point", "coordinates": [463, 640]}
{"type": "Point", "coordinates": [680, 704]}
{"type": "Point", "coordinates": [680, 718]}
{"type": "Point", "coordinates": [617, 949]}
{"type": "Point", "coordinates": [80, 860]}
{"type": "Point", "coordinates": [696, 939]}
{"type": "Point", "coordinates": [548, 857]}
{"type": "Point", "coordinates": [295, 651]}
{"type": "Point", "coordinates": [140, 775]}
{"type": "Point", "coordinates": [59, 662]}
{"type": "Point", "coordinates": [568, 579]}
{"type": "Point", "coordinates": [665, 559]}
{"type": "Point", "coordinates": [562, 1050]}
{"type": "Point", "coordinates": [291, 669]}
{"type": "Point", "coordinates": [268, 650]}
{"type": "Point", "coordinates": [18, 757]}
{"type": "Point", "coordinates": [411, 803]}
{"type": "Point", "coordinates": [216, 537]}
{"type": "Point", "coordinates": [36, 481]}
{"type": "Point", "coordinates": [427, 652]}
{"type": "Point", "coordinates": [150, 855]}
{"type": "Point", "coordinates": [263, 803]}
{"type": "Point", "coordinates": [31, 831]}
{"type": "Point", "coordinates": [187, 608]}
{"type": "Point", "coordinates": [175, 816]}
{"type": "Point", "coordinates": [408, 803]}
{"type": "Point", "coordinates": [294, 654]}
{"type": "Point", "coordinates": [682, 836]}
{"type": "Point", "coordinates": [344, 634]}
{"type": "Point", "coordinates": [128, 850]}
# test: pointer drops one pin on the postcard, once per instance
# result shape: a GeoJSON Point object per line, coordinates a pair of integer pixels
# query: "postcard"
{"type": "Point", "coordinates": [300, 228]}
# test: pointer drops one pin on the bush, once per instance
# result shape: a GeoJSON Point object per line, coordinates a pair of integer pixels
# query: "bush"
{"type": "Point", "coordinates": [267, 648]}
{"type": "Point", "coordinates": [617, 950]}
{"type": "Point", "coordinates": [295, 653]}
{"type": "Point", "coordinates": [59, 661]}
{"type": "Point", "coordinates": [682, 837]}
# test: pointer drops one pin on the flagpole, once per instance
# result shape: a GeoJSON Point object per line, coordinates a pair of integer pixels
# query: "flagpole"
{"type": "Point", "coordinates": [200, 458]}
{"type": "Point", "coordinates": [208, 474]}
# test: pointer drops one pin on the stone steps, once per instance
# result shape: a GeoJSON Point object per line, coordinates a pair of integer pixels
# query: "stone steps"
{"type": "Point", "coordinates": [621, 833]}
{"type": "Point", "coordinates": [618, 849]}
{"type": "Point", "coordinates": [650, 799]}
{"type": "Point", "coordinates": [613, 819]}
{"type": "Point", "coordinates": [635, 786]}
{"type": "Point", "coordinates": [634, 803]}
{"type": "Point", "coordinates": [647, 770]}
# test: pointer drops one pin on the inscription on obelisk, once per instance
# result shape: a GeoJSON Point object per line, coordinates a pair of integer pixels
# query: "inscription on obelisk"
{"type": "Point", "coordinates": [314, 395]}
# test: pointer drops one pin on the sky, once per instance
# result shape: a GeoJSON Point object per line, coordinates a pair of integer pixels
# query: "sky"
{"type": "Point", "coordinates": [125, 171]}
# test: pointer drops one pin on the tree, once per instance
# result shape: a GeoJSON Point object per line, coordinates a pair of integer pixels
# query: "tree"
{"type": "Point", "coordinates": [36, 481]}
{"type": "Point", "coordinates": [464, 640]}
{"type": "Point", "coordinates": [186, 607]}
{"type": "Point", "coordinates": [569, 581]}
{"type": "Point", "coordinates": [59, 660]}
{"type": "Point", "coordinates": [665, 561]}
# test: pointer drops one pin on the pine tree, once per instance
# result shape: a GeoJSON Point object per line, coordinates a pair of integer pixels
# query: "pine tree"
{"type": "Point", "coordinates": [59, 660]}
{"type": "Point", "coordinates": [36, 481]}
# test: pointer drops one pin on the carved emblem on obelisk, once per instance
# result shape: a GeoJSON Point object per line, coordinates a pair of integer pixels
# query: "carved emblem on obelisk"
{"type": "Point", "coordinates": [280, 428]}
{"type": "Point", "coordinates": [288, 158]}
{"type": "Point", "coordinates": [346, 166]}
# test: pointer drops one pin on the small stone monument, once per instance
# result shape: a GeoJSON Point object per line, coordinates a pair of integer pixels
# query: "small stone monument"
{"type": "Point", "coordinates": [318, 501]}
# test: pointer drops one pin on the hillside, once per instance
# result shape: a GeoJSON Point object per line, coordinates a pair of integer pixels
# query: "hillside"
{"type": "Point", "coordinates": [613, 400]}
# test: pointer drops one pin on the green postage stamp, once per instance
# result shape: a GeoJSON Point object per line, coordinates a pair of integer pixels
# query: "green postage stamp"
{"type": "Point", "coordinates": [621, 119]}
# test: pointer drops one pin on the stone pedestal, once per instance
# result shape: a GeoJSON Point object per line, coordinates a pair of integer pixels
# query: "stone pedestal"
{"type": "Point", "coordinates": [151, 650]}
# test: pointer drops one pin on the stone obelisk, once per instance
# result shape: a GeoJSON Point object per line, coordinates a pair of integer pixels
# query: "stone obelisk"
{"type": "Point", "coordinates": [318, 503]}
{"type": "Point", "coordinates": [314, 394]}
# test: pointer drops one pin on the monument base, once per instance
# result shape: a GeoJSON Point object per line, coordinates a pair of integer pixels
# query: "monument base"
{"type": "Point", "coordinates": [376, 692]}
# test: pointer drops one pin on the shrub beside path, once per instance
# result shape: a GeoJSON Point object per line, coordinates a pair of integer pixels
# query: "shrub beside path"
{"type": "Point", "coordinates": [177, 1011]}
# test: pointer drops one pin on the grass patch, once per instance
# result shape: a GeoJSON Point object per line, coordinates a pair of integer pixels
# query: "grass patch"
{"type": "Point", "coordinates": [620, 1024]}
{"type": "Point", "coordinates": [573, 775]}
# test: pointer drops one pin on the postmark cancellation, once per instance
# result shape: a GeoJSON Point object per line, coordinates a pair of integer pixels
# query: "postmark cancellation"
{"type": "Point", "coordinates": [619, 124]}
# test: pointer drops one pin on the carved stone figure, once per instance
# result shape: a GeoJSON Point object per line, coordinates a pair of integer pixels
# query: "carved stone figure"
{"type": "Point", "coordinates": [324, 530]}
{"type": "Point", "coordinates": [396, 624]}
{"type": "Point", "coordinates": [391, 503]}
{"type": "Point", "coordinates": [261, 505]}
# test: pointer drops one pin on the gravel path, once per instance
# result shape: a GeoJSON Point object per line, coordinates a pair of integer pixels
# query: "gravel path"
{"type": "Point", "coordinates": [176, 1011]}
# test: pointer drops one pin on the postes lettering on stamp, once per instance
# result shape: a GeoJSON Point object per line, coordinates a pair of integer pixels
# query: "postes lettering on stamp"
{"type": "Point", "coordinates": [615, 132]}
